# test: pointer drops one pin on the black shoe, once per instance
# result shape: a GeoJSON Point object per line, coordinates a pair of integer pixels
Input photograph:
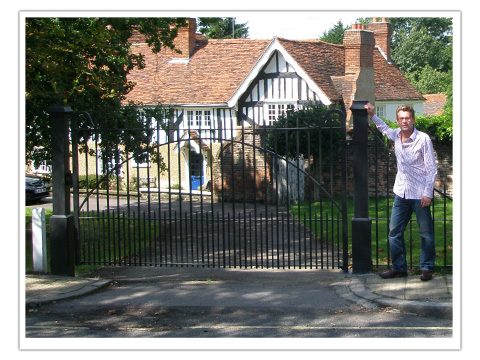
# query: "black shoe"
{"type": "Point", "coordinates": [393, 274]}
{"type": "Point", "coordinates": [426, 275]}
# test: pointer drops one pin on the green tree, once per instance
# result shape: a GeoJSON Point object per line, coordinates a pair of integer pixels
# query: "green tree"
{"type": "Point", "coordinates": [222, 28]}
{"type": "Point", "coordinates": [422, 49]}
{"type": "Point", "coordinates": [305, 132]}
{"type": "Point", "coordinates": [418, 42]}
{"type": "Point", "coordinates": [335, 34]}
{"type": "Point", "coordinates": [85, 62]}
{"type": "Point", "coordinates": [430, 81]}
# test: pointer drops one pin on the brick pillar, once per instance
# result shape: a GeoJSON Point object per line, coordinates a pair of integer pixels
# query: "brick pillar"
{"type": "Point", "coordinates": [383, 34]}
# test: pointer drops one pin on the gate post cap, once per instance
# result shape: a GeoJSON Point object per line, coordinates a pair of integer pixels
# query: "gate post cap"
{"type": "Point", "coordinates": [359, 105]}
{"type": "Point", "coordinates": [57, 108]}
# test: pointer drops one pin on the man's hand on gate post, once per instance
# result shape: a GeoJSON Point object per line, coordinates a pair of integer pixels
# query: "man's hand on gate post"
{"type": "Point", "coordinates": [370, 109]}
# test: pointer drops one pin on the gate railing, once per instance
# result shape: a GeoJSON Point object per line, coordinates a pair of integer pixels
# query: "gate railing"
{"type": "Point", "coordinates": [237, 220]}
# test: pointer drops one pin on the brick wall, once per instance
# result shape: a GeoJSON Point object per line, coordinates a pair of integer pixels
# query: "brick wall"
{"type": "Point", "coordinates": [444, 154]}
{"type": "Point", "coordinates": [383, 169]}
{"type": "Point", "coordinates": [240, 171]}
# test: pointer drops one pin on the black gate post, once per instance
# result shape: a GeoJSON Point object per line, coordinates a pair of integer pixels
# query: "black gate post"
{"type": "Point", "coordinates": [62, 249]}
{"type": "Point", "coordinates": [361, 222]}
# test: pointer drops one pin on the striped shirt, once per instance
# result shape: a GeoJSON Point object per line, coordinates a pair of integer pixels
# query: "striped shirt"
{"type": "Point", "coordinates": [416, 167]}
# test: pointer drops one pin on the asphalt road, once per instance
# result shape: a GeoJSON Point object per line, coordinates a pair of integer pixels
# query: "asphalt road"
{"type": "Point", "coordinates": [236, 304]}
{"type": "Point", "coordinates": [220, 322]}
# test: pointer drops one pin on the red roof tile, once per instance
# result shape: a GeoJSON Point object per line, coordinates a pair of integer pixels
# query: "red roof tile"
{"type": "Point", "coordinates": [217, 68]}
{"type": "Point", "coordinates": [322, 61]}
{"type": "Point", "coordinates": [434, 104]}
{"type": "Point", "coordinates": [214, 72]}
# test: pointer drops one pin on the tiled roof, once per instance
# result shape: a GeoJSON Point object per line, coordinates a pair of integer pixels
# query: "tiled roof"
{"type": "Point", "coordinates": [325, 63]}
{"type": "Point", "coordinates": [390, 83]}
{"type": "Point", "coordinates": [434, 104]}
{"type": "Point", "coordinates": [320, 60]}
{"type": "Point", "coordinates": [214, 72]}
{"type": "Point", "coordinates": [217, 68]}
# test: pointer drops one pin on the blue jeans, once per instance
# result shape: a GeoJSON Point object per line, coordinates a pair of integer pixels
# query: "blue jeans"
{"type": "Point", "coordinates": [401, 213]}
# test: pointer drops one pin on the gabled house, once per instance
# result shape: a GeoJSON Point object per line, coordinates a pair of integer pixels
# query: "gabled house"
{"type": "Point", "coordinates": [242, 77]}
{"type": "Point", "coordinates": [217, 86]}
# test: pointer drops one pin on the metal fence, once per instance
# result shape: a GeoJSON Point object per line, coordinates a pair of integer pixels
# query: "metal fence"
{"type": "Point", "coordinates": [223, 209]}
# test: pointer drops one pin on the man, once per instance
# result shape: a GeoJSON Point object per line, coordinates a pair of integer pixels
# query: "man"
{"type": "Point", "coordinates": [413, 189]}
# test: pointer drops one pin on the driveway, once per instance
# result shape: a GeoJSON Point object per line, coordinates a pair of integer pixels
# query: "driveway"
{"type": "Point", "coordinates": [204, 233]}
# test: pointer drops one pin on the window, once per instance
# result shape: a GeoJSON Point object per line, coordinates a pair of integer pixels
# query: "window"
{"type": "Point", "coordinates": [275, 111]}
{"type": "Point", "coordinates": [199, 119]}
{"type": "Point", "coordinates": [272, 114]}
{"type": "Point", "coordinates": [190, 118]}
{"type": "Point", "coordinates": [206, 119]}
{"type": "Point", "coordinates": [380, 111]}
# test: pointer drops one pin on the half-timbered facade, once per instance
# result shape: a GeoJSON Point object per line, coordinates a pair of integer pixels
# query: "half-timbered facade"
{"type": "Point", "coordinates": [276, 88]}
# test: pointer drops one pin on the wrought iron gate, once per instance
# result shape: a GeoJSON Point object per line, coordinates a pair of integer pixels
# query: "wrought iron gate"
{"type": "Point", "coordinates": [269, 196]}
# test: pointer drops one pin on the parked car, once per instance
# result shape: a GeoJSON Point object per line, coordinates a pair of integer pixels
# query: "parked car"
{"type": "Point", "coordinates": [36, 188]}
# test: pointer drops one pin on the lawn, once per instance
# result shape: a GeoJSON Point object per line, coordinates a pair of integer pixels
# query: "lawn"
{"type": "Point", "coordinates": [117, 239]}
{"type": "Point", "coordinates": [379, 213]}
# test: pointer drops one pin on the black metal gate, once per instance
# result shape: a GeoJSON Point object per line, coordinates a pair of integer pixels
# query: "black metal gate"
{"type": "Point", "coordinates": [262, 197]}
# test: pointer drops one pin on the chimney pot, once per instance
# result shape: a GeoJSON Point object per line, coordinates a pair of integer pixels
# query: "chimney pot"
{"type": "Point", "coordinates": [358, 27]}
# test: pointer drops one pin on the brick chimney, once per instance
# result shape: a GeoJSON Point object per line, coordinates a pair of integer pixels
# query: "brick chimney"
{"type": "Point", "coordinates": [383, 34]}
{"type": "Point", "coordinates": [185, 40]}
{"type": "Point", "coordinates": [358, 44]}
{"type": "Point", "coordinates": [358, 83]}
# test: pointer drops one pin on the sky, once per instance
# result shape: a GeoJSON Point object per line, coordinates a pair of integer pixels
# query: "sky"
{"type": "Point", "coordinates": [293, 25]}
